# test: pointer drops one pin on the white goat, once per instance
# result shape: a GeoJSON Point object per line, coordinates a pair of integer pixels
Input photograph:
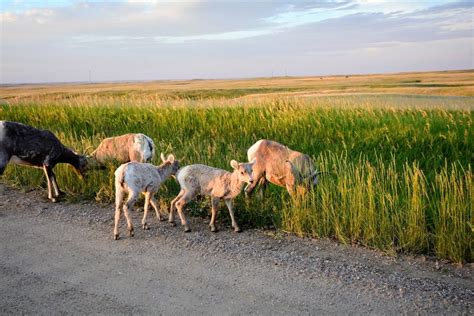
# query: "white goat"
{"type": "Point", "coordinates": [135, 178]}
{"type": "Point", "coordinates": [217, 183]}
{"type": "Point", "coordinates": [125, 148]}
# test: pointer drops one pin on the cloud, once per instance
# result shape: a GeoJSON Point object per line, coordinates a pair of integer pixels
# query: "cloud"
{"type": "Point", "coordinates": [297, 16]}
{"type": "Point", "coordinates": [226, 36]}
{"type": "Point", "coordinates": [6, 17]}
{"type": "Point", "coordinates": [166, 40]}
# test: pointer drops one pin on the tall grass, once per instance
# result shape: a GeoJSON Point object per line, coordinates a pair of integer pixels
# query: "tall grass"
{"type": "Point", "coordinates": [378, 206]}
{"type": "Point", "coordinates": [400, 176]}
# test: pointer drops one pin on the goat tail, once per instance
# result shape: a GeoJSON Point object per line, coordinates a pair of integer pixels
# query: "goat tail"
{"type": "Point", "coordinates": [148, 148]}
{"type": "Point", "coordinates": [119, 187]}
{"type": "Point", "coordinates": [152, 147]}
{"type": "Point", "coordinates": [120, 177]}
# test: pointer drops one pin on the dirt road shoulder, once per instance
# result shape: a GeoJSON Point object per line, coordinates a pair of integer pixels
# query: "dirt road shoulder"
{"type": "Point", "coordinates": [62, 258]}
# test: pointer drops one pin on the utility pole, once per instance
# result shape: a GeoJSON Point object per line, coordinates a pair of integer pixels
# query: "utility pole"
{"type": "Point", "coordinates": [90, 76]}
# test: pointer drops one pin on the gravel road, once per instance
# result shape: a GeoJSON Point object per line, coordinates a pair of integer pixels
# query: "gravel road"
{"type": "Point", "coordinates": [61, 258]}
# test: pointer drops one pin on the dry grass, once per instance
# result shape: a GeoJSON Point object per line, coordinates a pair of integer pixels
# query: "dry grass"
{"type": "Point", "coordinates": [456, 83]}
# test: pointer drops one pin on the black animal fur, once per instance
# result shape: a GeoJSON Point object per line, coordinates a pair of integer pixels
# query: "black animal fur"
{"type": "Point", "coordinates": [37, 148]}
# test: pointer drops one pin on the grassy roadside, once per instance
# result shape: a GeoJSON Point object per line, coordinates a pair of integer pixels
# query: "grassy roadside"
{"type": "Point", "coordinates": [401, 165]}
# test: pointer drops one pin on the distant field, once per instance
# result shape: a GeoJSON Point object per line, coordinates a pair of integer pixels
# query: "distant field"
{"type": "Point", "coordinates": [455, 83]}
{"type": "Point", "coordinates": [399, 148]}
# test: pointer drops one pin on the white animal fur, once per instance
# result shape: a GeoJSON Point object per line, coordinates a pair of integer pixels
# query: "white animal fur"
{"type": "Point", "coordinates": [253, 149]}
{"type": "Point", "coordinates": [2, 130]}
{"type": "Point", "coordinates": [142, 144]}
{"type": "Point", "coordinates": [217, 183]}
{"type": "Point", "coordinates": [135, 178]}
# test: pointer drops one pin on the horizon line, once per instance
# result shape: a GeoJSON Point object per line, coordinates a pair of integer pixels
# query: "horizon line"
{"type": "Point", "coordinates": [86, 82]}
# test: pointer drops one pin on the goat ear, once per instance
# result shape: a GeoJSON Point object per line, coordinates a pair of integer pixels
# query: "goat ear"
{"type": "Point", "coordinates": [170, 158]}
{"type": "Point", "coordinates": [163, 157]}
{"type": "Point", "coordinates": [234, 164]}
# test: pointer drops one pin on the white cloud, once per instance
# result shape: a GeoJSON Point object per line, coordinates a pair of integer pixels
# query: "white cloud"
{"type": "Point", "coordinates": [213, 37]}
{"type": "Point", "coordinates": [399, 6]}
{"type": "Point", "coordinates": [294, 18]}
{"type": "Point", "coordinates": [8, 17]}
{"type": "Point", "coordinates": [40, 16]}
{"type": "Point", "coordinates": [163, 1]}
{"type": "Point", "coordinates": [161, 39]}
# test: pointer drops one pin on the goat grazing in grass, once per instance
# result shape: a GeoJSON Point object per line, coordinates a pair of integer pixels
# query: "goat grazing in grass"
{"type": "Point", "coordinates": [28, 146]}
{"type": "Point", "coordinates": [124, 148]}
{"type": "Point", "coordinates": [281, 166]}
{"type": "Point", "coordinates": [135, 178]}
{"type": "Point", "coordinates": [217, 183]}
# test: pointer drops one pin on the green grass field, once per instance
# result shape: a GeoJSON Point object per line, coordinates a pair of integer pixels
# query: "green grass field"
{"type": "Point", "coordinates": [400, 165]}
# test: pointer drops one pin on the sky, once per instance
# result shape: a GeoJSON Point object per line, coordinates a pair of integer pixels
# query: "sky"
{"type": "Point", "coordinates": [74, 41]}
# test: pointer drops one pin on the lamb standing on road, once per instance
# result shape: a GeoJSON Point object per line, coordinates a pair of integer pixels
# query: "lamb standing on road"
{"type": "Point", "coordinates": [217, 183]}
{"type": "Point", "coordinates": [135, 178]}
{"type": "Point", "coordinates": [125, 148]}
{"type": "Point", "coordinates": [281, 166]}
{"type": "Point", "coordinates": [28, 146]}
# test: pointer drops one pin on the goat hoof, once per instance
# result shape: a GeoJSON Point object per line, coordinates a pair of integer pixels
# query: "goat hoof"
{"type": "Point", "coordinates": [131, 233]}
{"type": "Point", "coordinates": [237, 229]}
{"type": "Point", "coordinates": [213, 229]}
{"type": "Point", "coordinates": [116, 237]}
{"type": "Point", "coordinates": [145, 226]}
{"type": "Point", "coordinates": [187, 229]}
{"type": "Point", "coordinates": [162, 219]}
{"type": "Point", "coordinates": [172, 224]}
{"type": "Point", "coordinates": [54, 200]}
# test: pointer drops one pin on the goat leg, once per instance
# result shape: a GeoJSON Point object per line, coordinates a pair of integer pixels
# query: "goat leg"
{"type": "Point", "coordinates": [230, 206]}
{"type": "Point", "coordinates": [214, 209]}
{"type": "Point", "coordinates": [4, 158]}
{"type": "Point", "coordinates": [47, 172]}
{"type": "Point", "coordinates": [52, 176]}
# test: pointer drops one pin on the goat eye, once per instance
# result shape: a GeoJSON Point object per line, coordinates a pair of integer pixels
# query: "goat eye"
{"type": "Point", "coordinates": [242, 172]}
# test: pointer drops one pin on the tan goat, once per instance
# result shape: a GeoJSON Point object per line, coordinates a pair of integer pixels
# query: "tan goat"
{"type": "Point", "coordinates": [125, 148]}
{"type": "Point", "coordinates": [217, 183]}
{"type": "Point", "coordinates": [281, 166]}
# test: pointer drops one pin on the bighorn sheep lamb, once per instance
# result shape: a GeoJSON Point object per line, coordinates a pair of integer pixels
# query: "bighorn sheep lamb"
{"type": "Point", "coordinates": [25, 145]}
{"type": "Point", "coordinates": [135, 178]}
{"type": "Point", "coordinates": [125, 148]}
{"type": "Point", "coordinates": [280, 165]}
{"type": "Point", "coordinates": [217, 183]}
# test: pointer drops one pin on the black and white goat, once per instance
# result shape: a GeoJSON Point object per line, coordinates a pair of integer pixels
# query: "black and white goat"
{"type": "Point", "coordinates": [25, 145]}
